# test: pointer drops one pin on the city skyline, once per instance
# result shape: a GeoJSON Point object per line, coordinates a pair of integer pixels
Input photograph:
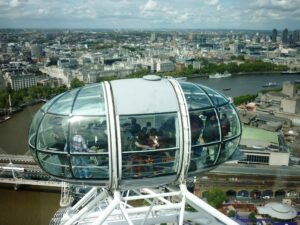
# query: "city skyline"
{"type": "Point", "coordinates": [150, 14]}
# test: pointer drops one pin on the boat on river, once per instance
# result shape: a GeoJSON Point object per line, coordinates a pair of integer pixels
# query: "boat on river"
{"type": "Point", "coordinates": [270, 84]}
{"type": "Point", "coordinates": [220, 75]}
{"type": "Point", "coordinates": [7, 116]}
{"type": "Point", "coordinates": [290, 72]}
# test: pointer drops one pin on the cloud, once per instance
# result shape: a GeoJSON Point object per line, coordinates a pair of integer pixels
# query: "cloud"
{"type": "Point", "coordinates": [211, 2]}
{"type": "Point", "coordinates": [14, 3]}
{"type": "Point", "coordinates": [151, 13]}
{"type": "Point", "coordinates": [151, 5]}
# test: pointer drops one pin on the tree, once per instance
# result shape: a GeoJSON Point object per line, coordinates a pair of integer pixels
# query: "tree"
{"type": "Point", "coordinates": [75, 83]}
{"type": "Point", "coordinates": [252, 217]}
{"type": "Point", "coordinates": [215, 197]}
{"type": "Point", "coordinates": [231, 213]}
{"type": "Point", "coordinates": [243, 99]}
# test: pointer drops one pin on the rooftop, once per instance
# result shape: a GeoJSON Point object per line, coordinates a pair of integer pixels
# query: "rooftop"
{"type": "Point", "coordinates": [259, 136]}
{"type": "Point", "coordinates": [278, 210]}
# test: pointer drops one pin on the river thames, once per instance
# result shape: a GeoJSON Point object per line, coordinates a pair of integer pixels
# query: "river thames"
{"type": "Point", "coordinates": [28, 207]}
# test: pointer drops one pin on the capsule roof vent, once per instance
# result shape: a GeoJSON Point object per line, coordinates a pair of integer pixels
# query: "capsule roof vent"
{"type": "Point", "coordinates": [152, 77]}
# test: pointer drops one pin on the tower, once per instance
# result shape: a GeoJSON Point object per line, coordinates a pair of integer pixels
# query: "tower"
{"type": "Point", "coordinates": [285, 36]}
{"type": "Point", "coordinates": [274, 35]}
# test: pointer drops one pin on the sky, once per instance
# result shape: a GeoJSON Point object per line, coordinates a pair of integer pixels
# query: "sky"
{"type": "Point", "coordinates": [151, 14]}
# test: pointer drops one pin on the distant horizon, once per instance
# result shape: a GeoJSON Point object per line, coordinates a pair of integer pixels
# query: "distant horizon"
{"type": "Point", "coordinates": [151, 14]}
{"type": "Point", "coordinates": [149, 29]}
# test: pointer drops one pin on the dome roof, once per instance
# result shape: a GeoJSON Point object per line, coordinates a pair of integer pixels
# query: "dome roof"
{"type": "Point", "coordinates": [278, 210]}
{"type": "Point", "coordinates": [144, 132]}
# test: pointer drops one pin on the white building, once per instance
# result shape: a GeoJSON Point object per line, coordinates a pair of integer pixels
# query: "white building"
{"type": "Point", "coordinates": [20, 81]}
{"type": "Point", "coordinates": [165, 66]}
{"type": "Point", "coordinates": [290, 105]}
{"type": "Point", "coordinates": [60, 73]}
{"type": "Point", "coordinates": [265, 157]}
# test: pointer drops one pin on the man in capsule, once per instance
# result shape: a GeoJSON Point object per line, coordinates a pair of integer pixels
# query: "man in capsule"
{"type": "Point", "coordinates": [80, 162]}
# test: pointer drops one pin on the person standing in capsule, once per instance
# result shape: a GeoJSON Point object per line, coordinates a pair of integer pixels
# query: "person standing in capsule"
{"type": "Point", "coordinates": [79, 162]}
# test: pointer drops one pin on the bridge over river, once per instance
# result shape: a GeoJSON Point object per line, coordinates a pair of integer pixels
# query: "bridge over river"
{"type": "Point", "coordinates": [21, 170]}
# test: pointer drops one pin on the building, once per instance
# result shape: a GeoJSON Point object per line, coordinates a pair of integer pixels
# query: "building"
{"type": "Point", "coordinates": [285, 36]}
{"type": "Point", "coordinates": [20, 81]}
{"type": "Point", "coordinates": [165, 66]}
{"type": "Point", "coordinates": [52, 82]}
{"type": "Point", "coordinates": [289, 89]}
{"type": "Point", "coordinates": [291, 105]}
{"type": "Point", "coordinates": [234, 48]}
{"type": "Point", "coordinates": [67, 63]}
{"type": "Point", "coordinates": [264, 156]}
{"type": "Point", "coordinates": [274, 35]}
{"type": "Point", "coordinates": [296, 36]}
{"type": "Point", "coordinates": [153, 37]}
{"type": "Point", "coordinates": [59, 73]}
{"type": "Point", "coordinates": [36, 51]}
{"type": "Point", "coordinates": [278, 211]}
{"type": "Point", "coordinates": [263, 148]}
{"type": "Point", "coordinates": [196, 65]}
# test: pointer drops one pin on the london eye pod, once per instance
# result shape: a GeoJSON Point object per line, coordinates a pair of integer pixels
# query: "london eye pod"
{"type": "Point", "coordinates": [136, 133]}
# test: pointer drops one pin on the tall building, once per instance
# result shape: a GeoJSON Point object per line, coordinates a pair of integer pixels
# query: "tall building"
{"type": "Point", "coordinates": [285, 36]}
{"type": "Point", "coordinates": [153, 37]}
{"type": "Point", "coordinates": [274, 35]}
{"type": "Point", "coordinates": [191, 37]}
{"type": "Point", "coordinates": [296, 36]}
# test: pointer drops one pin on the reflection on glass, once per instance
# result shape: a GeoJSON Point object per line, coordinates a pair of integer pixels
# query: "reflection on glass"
{"type": "Point", "coordinates": [53, 133]}
{"type": "Point", "coordinates": [90, 132]}
{"type": "Point", "coordinates": [90, 166]}
{"type": "Point", "coordinates": [210, 154]}
{"type": "Point", "coordinates": [211, 130]}
{"type": "Point", "coordinates": [197, 124]}
{"type": "Point", "coordinates": [90, 101]}
{"type": "Point", "coordinates": [196, 98]}
{"type": "Point", "coordinates": [216, 97]}
{"type": "Point", "coordinates": [227, 149]}
{"type": "Point", "coordinates": [203, 157]}
{"type": "Point", "coordinates": [34, 126]}
{"type": "Point", "coordinates": [88, 146]}
{"type": "Point", "coordinates": [149, 144]}
{"type": "Point", "coordinates": [85, 138]}
{"type": "Point", "coordinates": [64, 105]}
{"type": "Point", "coordinates": [55, 164]}
{"type": "Point", "coordinates": [50, 102]}
{"type": "Point", "coordinates": [230, 125]}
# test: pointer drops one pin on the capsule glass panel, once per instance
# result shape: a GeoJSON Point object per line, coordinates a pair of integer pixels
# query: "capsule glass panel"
{"type": "Point", "coordinates": [230, 124]}
{"type": "Point", "coordinates": [227, 150]}
{"type": "Point", "coordinates": [89, 101]}
{"type": "Point", "coordinates": [70, 146]}
{"type": "Point", "coordinates": [88, 147]}
{"type": "Point", "coordinates": [213, 120]}
{"type": "Point", "coordinates": [46, 106]}
{"type": "Point", "coordinates": [203, 157]}
{"type": "Point", "coordinates": [215, 96]}
{"type": "Point", "coordinates": [52, 133]}
{"type": "Point", "coordinates": [55, 164]}
{"type": "Point", "coordinates": [195, 96]}
{"type": "Point", "coordinates": [33, 131]}
{"type": "Point", "coordinates": [34, 127]}
{"type": "Point", "coordinates": [63, 105]}
{"type": "Point", "coordinates": [149, 145]}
